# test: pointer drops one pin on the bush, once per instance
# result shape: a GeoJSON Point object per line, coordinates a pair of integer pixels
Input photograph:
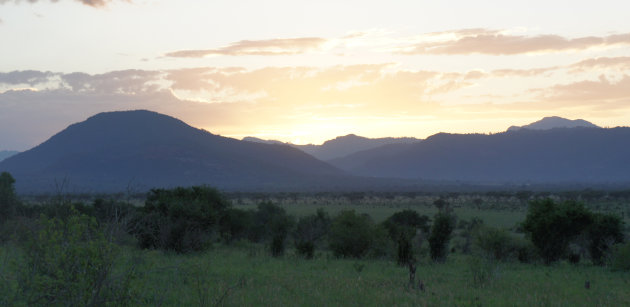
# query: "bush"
{"type": "Point", "coordinates": [402, 227]}
{"type": "Point", "coordinates": [8, 199]}
{"type": "Point", "coordinates": [309, 231]}
{"type": "Point", "coordinates": [552, 227]}
{"type": "Point", "coordinates": [181, 219]}
{"type": "Point", "coordinates": [603, 233]}
{"type": "Point", "coordinates": [235, 224]}
{"type": "Point", "coordinates": [496, 244]}
{"type": "Point", "coordinates": [443, 226]}
{"type": "Point", "coordinates": [351, 234]}
{"type": "Point", "coordinates": [621, 257]}
{"type": "Point", "coordinates": [271, 224]}
{"type": "Point", "coordinates": [68, 263]}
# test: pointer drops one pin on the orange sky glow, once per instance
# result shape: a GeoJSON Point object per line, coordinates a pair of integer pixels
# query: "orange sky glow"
{"type": "Point", "coordinates": [307, 72]}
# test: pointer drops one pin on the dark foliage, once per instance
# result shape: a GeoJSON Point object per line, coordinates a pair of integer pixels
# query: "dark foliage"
{"type": "Point", "coordinates": [553, 226]}
{"type": "Point", "coordinates": [271, 224]}
{"type": "Point", "coordinates": [309, 231]}
{"type": "Point", "coordinates": [351, 234]}
{"type": "Point", "coordinates": [443, 225]}
{"type": "Point", "coordinates": [8, 199]}
{"type": "Point", "coordinates": [402, 228]}
{"type": "Point", "coordinates": [181, 219]}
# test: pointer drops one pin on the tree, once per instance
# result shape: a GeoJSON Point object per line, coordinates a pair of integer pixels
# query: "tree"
{"type": "Point", "coordinates": [402, 228]}
{"type": "Point", "coordinates": [443, 225]}
{"type": "Point", "coordinates": [553, 226]}
{"type": "Point", "coordinates": [8, 199]}
{"type": "Point", "coordinates": [351, 234]}
{"type": "Point", "coordinates": [180, 219]}
{"type": "Point", "coordinates": [271, 224]}
{"type": "Point", "coordinates": [309, 231]}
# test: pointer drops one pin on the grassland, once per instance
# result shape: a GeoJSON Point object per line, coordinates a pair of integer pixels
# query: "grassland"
{"type": "Point", "coordinates": [247, 276]}
{"type": "Point", "coordinates": [244, 273]}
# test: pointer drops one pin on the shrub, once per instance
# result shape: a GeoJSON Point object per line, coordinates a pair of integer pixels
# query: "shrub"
{"type": "Point", "coordinates": [235, 224]}
{"type": "Point", "coordinates": [552, 227]}
{"type": "Point", "coordinates": [68, 263]}
{"type": "Point", "coordinates": [181, 219]}
{"type": "Point", "coordinates": [351, 234]}
{"type": "Point", "coordinates": [603, 233]}
{"type": "Point", "coordinates": [309, 231]}
{"type": "Point", "coordinates": [271, 224]}
{"type": "Point", "coordinates": [621, 257]}
{"type": "Point", "coordinates": [443, 226]}
{"type": "Point", "coordinates": [8, 198]}
{"type": "Point", "coordinates": [496, 244]}
{"type": "Point", "coordinates": [402, 227]}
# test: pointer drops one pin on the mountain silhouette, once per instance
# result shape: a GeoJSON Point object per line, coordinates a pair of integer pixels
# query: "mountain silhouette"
{"type": "Point", "coordinates": [142, 149]}
{"type": "Point", "coordinates": [6, 153]}
{"type": "Point", "coordinates": [562, 155]}
{"type": "Point", "coordinates": [341, 146]}
{"type": "Point", "coordinates": [554, 122]}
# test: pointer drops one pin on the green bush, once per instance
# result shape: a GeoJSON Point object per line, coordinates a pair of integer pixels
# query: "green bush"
{"type": "Point", "coordinates": [402, 228]}
{"type": "Point", "coordinates": [309, 231]}
{"type": "Point", "coordinates": [552, 227]}
{"type": "Point", "coordinates": [621, 257]}
{"type": "Point", "coordinates": [603, 233]}
{"type": "Point", "coordinates": [68, 263]}
{"type": "Point", "coordinates": [496, 244]}
{"type": "Point", "coordinates": [351, 234]}
{"type": "Point", "coordinates": [181, 219]}
{"type": "Point", "coordinates": [443, 226]}
{"type": "Point", "coordinates": [8, 198]}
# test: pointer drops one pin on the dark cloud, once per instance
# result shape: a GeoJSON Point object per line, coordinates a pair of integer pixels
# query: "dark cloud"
{"type": "Point", "coordinates": [276, 46]}
{"type": "Point", "coordinates": [491, 42]}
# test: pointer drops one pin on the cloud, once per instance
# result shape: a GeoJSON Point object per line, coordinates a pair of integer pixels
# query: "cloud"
{"type": "Point", "coordinates": [92, 3]}
{"type": "Point", "coordinates": [122, 82]}
{"type": "Point", "coordinates": [599, 91]}
{"type": "Point", "coordinates": [276, 46]}
{"type": "Point", "coordinates": [492, 42]}
{"type": "Point", "coordinates": [28, 77]}
{"type": "Point", "coordinates": [617, 63]}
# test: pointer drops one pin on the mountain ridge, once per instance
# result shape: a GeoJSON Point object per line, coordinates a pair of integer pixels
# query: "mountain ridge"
{"type": "Point", "coordinates": [106, 151]}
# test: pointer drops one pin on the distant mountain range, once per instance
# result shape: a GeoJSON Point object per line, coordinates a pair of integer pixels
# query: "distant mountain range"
{"type": "Point", "coordinates": [340, 146]}
{"type": "Point", "coordinates": [139, 150]}
{"type": "Point", "coordinates": [7, 153]}
{"type": "Point", "coordinates": [561, 155]}
{"type": "Point", "coordinates": [554, 122]}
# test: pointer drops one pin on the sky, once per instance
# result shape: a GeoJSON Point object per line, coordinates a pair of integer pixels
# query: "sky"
{"type": "Point", "coordinates": [308, 71]}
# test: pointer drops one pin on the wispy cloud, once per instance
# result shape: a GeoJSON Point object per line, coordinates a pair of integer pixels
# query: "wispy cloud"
{"type": "Point", "coordinates": [92, 3]}
{"type": "Point", "coordinates": [278, 46]}
{"type": "Point", "coordinates": [616, 63]}
{"type": "Point", "coordinates": [493, 42]}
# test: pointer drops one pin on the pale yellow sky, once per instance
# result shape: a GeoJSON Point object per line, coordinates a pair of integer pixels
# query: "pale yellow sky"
{"type": "Point", "coordinates": [306, 72]}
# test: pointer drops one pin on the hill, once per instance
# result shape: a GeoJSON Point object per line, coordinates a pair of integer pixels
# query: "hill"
{"type": "Point", "coordinates": [340, 146]}
{"type": "Point", "coordinates": [142, 149]}
{"type": "Point", "coordinates": [7, 153]}
{"type": "Point", "coordinates": [561, 155]}
{"type": "Point", "coordinates": [555, 122]}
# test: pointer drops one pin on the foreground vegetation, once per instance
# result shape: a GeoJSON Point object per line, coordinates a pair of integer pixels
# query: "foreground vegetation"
{"type": "Point", "coordinates": [193, 246]}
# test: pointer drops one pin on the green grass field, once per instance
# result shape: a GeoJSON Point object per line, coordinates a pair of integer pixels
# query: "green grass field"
{"type": "Point", "coordinates": [246, 276]}
{"type": "Point", "coordinates": [244, 273]}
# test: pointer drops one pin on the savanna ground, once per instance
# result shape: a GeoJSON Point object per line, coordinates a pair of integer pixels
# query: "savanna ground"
{"type": "Point", "coordinates": [244, 273]}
